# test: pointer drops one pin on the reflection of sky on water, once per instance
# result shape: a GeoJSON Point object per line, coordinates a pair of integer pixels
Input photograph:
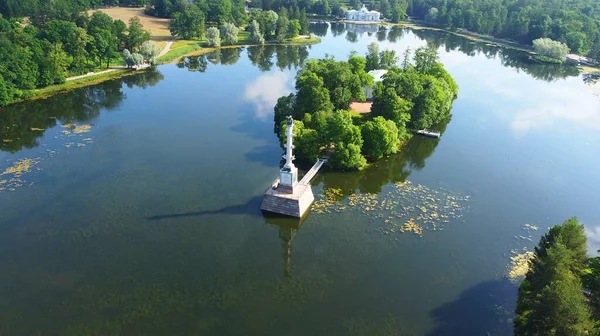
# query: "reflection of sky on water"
{"type": "Point", "coordinates": [593, 236]}
{"type": "Point", "coordinates": [531, 104]}
{"type": "Point", "coordinates": [266, 89]}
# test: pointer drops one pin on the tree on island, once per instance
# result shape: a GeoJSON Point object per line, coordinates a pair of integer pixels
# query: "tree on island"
{"type": "Point", "coordinates": [405, 97]}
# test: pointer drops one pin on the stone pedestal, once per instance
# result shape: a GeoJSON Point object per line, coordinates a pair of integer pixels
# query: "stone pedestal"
{"type": "Point", "coordinates": [279, 200]}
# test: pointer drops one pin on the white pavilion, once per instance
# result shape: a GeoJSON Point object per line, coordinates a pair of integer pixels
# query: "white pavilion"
{"type": "Point", "coordinates": [363, 15]}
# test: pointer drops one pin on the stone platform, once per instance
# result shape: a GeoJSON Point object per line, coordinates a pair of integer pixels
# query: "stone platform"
{"type": "Point", "coordinates": [279, 201]}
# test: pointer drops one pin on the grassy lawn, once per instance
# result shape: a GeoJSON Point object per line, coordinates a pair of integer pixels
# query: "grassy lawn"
{"type": "Point", "coordinates": [159, 28]}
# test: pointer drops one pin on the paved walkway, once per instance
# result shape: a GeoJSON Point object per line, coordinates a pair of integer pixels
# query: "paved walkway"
{"type": "Point", "coordinates": [115, 68]}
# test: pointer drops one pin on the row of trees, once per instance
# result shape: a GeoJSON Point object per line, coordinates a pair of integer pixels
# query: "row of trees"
{"type": "Point", "coordinates": [552, 299]}
{"type": "Point", "coordinates": [42, 54]}
{"type": "Point", "coordinates": [190, 22]}
{"type": "Point", "coordinates": [418, 94]}
{"type": "Point", "coordinates": [574, 23]}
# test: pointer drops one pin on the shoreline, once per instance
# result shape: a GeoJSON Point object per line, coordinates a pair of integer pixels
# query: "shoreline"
{"type": "Point", "coordinates": [115, 73]}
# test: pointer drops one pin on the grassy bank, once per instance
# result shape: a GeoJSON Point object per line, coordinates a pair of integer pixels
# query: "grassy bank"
{"type": "Point", "coordinates": [183, 48]}
{"type": "Point", "coordinates": [78, 83]}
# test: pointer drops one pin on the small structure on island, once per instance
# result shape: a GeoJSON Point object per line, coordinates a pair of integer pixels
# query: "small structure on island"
{"type": "Point", "coordinates": [287, 195]}
{"type": "Point", "coordinates": [363, 14]}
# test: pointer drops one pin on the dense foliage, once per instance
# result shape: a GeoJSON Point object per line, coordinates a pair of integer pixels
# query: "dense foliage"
{"type": "Point", "coordinates": [47, 51]}
{"type": "Point", "coordinates": [551, 298]}
{"type": "Point", "coordinates": [552, 49]}
{"type": "Point", "coordinates": [418, 95]}
{"type": "Point", "coordinates": [574, 23]}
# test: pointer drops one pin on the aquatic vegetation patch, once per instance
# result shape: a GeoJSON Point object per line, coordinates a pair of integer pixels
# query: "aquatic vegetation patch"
{"type": "Point", "coordinates": [519, 264]}
{"type": "Point", "coordinates": [20, 167]}
{"type": "Point", "coordinates": [75, 129]}
{"type": "Point", "coordinates": [14, 173]}
{"type": "Point", "coordinates": [404, 208]}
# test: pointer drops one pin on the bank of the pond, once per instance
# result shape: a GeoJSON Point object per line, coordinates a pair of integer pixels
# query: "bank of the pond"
{"type": "Point", "coordinates": [192, 48]}
{"type": "Point", "coordinates": [196, 48]}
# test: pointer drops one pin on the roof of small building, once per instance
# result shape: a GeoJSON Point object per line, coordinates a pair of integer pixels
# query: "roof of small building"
{"type": "Point", "coordinates": [352, 11]}
{"type": "Point", "coordinates": [377, 74]}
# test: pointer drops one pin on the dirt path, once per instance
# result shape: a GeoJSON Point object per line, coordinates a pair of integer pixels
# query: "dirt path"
{"type": "Point", "coordinates": [115, 68]}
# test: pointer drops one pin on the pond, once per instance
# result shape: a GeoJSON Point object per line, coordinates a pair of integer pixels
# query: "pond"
{"type": "Point", "coordinates": [132, 207]}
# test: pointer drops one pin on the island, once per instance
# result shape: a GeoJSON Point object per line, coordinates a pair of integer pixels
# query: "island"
{"type": "Point", "coordinates": [416, 94]}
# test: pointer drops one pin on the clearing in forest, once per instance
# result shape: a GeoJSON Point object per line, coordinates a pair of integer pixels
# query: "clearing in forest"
{"type": "Point", "coordinates": [159, 28]}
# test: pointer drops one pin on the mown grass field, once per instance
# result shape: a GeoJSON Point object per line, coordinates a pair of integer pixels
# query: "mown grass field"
{"type": "Point", "coordinates": [159, 28]}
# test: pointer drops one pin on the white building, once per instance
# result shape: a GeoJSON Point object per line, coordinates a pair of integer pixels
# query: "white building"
{"type": "Point", "coordinates": [362, 15]}
{"type": "Point", "coordinates": [377, 77]}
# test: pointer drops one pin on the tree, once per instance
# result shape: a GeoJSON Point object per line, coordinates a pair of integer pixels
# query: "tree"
{"type": "Point", "coordinates": [385, 8]}
{"type": "Point", "coordinates": [5, 95]}
{"type": "Point", "coordinates": [347, 157]}
{"type": "Point", "coordinates": [149, 51]}
{"type": "Point", "coordinates": [255, 35]}
{"type": "Point", "coordinates": [304, 22]}
{"type": "Point", "coordinates": [355, 4]}
{"type": "Point", "coordinates": [552, 49]}
{"type": "Point", "coordinates": [312, 96]}
{"type": "Point", "coordinates": [229, 33]}
{"type": "Point", "coordinates": [293, 29]}
{"type": "Point", "coordinates": [128, 58]}
{"type": "Point", "coordinates": [425, 58]}
{"type": "Point", "coordinates": [269, 23]}
{"type": "Point", "coordinates": [388, 105]}
{"type": "Point", "coordinates": [346, 139]}
{"type": "Point", "coordinates": [138, 59]}
{"type": "Point", "coordinates": [137, 35]}
{"type": "Point", "coordinates": [282, 25]}
{"type": "Point", "coordinates": [188, 24]}
{"type": "Point", "coordinates": [432, 15]}
{"type": "Point", "coordinates": [372, 57]}
{"type": "Point", "coordinates": [380, 138]}
{"type": "Point", "coordinates": [387, 59]}
{"type": "Point", "coordinates": [213, 38]}
{"type": "Point", "coordinates": [551, 300]}
{"type": "Point", "coordinates": [57, 62]}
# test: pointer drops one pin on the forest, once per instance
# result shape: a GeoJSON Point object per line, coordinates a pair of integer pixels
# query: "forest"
{"type": "Point", "coordinates": [417, 94]}
{"type": "Point", "coordinates": [561, 292]}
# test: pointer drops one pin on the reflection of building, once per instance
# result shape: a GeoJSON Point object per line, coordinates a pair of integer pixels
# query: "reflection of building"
{"type": "Point", "coordinates": [288, 227]}
{"type": "Point", "coordinates": [362, 28]}
{"type": "Point", "coordinates": [377, 77]}
{"type": "Point", "coordinates": [362, 15]}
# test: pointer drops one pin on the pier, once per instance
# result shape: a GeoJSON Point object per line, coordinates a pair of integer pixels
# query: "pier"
{"type": "Point", "coordinates": [287, 195]}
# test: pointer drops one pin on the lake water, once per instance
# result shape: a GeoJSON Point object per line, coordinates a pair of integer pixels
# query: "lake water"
{"type": "Point", "coordinates": [132, 207]}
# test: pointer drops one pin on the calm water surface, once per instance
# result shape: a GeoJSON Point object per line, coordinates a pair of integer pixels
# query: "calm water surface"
{"type": "Point", "coordinates": [148, 222]}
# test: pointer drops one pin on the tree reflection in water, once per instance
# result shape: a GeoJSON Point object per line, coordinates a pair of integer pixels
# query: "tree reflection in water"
{"type": "Point", "coordinates": [22, 124]}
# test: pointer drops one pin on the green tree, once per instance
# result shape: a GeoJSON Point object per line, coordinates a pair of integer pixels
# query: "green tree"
{"type": "Point", "coordinates": [380, 138]}
{"type": "Point", "coordinates": [388, 105]}
{"type": "Point", "coordinates": [282, 25]}
{"type": "Point", "coordinates": [136, 34]}
{"type": "Point", "coordinates": [312, 96]}
{"type": "Point", "coordinates": [293, 29]}
{"type": "Point", "coordinates": [551, 300]}
{"type": "Point", "coordinates": [385, 8]}
{"type": "Point", "coordinates": [229, 33]}
{"type": "Point", "coordinates": [149, 51]}
{"type": "Point", "coordinates": [303, 22]}
{"type": "Point", "coordinates": [355, 4]}
{"type": "Point", "coordinates": [372, 57]}
{"type": "Point", "coordinates": [255, 34]}
{"type": "Point", "coordinates": [213, 37]}
{"type": "Point", "coordinates": [387, 59]}
{"type": "Point", "coordinates": [552, 49]}
{"type": "Point", "coordinates": [188, 24]}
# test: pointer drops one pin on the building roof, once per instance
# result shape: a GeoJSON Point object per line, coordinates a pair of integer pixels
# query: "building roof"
{"type": "Point", "coordinates": [377, 74]}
